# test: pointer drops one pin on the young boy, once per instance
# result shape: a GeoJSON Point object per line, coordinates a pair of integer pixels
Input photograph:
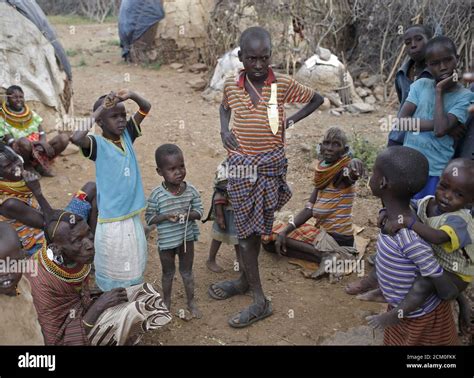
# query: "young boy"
{"type": "Point", "coordinates": [223, 228]}
{"type": "Point", "coordinates": [174, 207]}
{"type": "Point", "coordinates": [20, 324]}
{"type": "Point", "coordinates": [330, 203]}
{"type": "Point", "coordinates": [256, 142]}
{"type": "Point", "coordinates": [436, 108]}
{"type": "Point", "coordinates": [414, 68]}
{"type": "Point", "coordinates": [120, 243]}
{"type": "Point", "coordinates": [21, 129]}
{"type": "Point", "coordinates": [400, 172]}
{"type": "Point", "coordinates": [446, 223]}
{"type": "Point", "coordinates": [18, 207]}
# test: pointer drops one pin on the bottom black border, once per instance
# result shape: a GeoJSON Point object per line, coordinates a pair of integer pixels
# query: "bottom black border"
{"type": "Point", "coordinates": [242, 361]}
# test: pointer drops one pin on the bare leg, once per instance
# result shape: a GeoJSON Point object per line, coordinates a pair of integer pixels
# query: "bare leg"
{"type": "Point", "coordinates": [211, 261]}
{"type": "Point", "coordinates": [59, 143]}
{"type": "Point", "coordinates": [374, 295]}
{"type": "Point", "coordinates": [297, 249]}
{"type": "Point", "coordinates": [363, 285]}
{"type": "Point", "coordinates": [186, 260]}
{"type": "Point", "coordinates": [238, 258]}
{"type": "Point", "coordinates": [168, 270]}
{"type": "Point", "coordinates": [24, 148]}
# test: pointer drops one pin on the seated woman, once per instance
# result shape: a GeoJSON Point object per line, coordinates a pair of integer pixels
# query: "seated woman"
{"type": "Point", "coordinates": [330, 204]}
{"type": "Point", "coordinates": [21, 129]}
{"type": "Point", "coordinates": [19, 320]}
{"type": "Point", "coordinates": [67, 312]}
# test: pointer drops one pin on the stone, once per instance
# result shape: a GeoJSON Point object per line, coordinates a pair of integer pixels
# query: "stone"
{"type": "Point", "coordinates": [176, 66]}
{"type": "Point", "coordinates": [180, 70]}
{"type": "Point", "coordinates": [362, 92]}
{"type": "Point", "coordinates": [334, 99]}
{"type": "Point", "coordinates": [198, 68]}
{"type": "Point", "coordinates": [360, 107]}
{"type": "Point", "coordinates": [197, 84]}
{"type": "Point", "coordinates": [363, 75]}
{"type": "Point", "coordinates": [324, 54]}
{"type": "Point", "coordinates": [378, 92]}
{"type": "Point", "coordinates": [370, 100]}
{"type": "Point", "coordinates": [334, 113]}
{"type": "Point", "coordinates": [326, 105]}
{"type": "Point", "coordinates": [371, 80]}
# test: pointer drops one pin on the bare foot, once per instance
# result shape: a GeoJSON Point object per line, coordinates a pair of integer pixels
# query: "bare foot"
{"type": "Point", "coordinates": [195, 312]}
{"type": "Point", "coordinates": [214, 267]}
{"type": "Point", "coordinates": [372, 296]}
{"type": "Point", "coordinates": [384, 320]}
{"type": "Point", "coordinates": [361, 286]}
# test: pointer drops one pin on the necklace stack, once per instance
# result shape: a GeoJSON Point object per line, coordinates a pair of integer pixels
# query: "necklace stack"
{"type": "Point", "coordinates": [173, 193]}
{"type": "Point", "coordinates": [69, 275]}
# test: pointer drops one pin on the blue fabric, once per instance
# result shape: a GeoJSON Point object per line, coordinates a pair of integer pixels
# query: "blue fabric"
{"type": "Point", "coordinates": [119, 183]}
{"type": "Point", "coordinates": [135, 18]}
{"type": "Point", "coordinates": [402, 85]}
{"type": "Point", "coordinates": [429, 189]}
{"type": "Point", "coordinates": [79, 207]}
{"type": "Point", "coordinates": [438, 151]}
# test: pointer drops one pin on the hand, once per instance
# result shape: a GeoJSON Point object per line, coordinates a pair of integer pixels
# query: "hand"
{"type": "Point", "coordinates": [459, 132]}
{"type": "Point", "coordinates": [48, 149]}
{"type": "Point", "coordinates": [356, 169]}
{"type": "Point", "coordinates": [32, 181]}
{"type": "Point", "coordinates": [382, 218]}
{"type": "Point", "coordinates": [173, 217]}
{"type": "Point", "coordinates": [445, 84]}
{"type": "Point", "coordinates": [110, 100]}
{"type": "Point", "coordinates": [391, 227]}
{"type": "Point", "coordinates": [123, 95]}
{"type": "Point", "coordinates": [229, 140]}
{"type": "Point", "coordinates": [280, 244]}
{"type": "Point", "coordinates": [111, 298]}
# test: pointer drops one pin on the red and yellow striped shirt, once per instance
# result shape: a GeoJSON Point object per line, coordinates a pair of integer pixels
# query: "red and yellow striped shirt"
{"type": "Point", "coordinates": [250, 125]}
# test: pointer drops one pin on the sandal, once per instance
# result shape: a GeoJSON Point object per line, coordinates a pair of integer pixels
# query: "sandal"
{"type": "Point", "coordinates": [228, 287]}
{"type": "Point", "coordinates": [251, 314]}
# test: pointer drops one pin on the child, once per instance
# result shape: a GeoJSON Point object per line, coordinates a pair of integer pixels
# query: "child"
{"type": "Point", "coordinates": [223, 228]}
{"type": "Point", "coordinates": [436, 107]}
{"type": "Point", "coordinates": [174, 207]}
{"type": "Point", "coordinates": [21, 129]}
{"type": "Point", "coordinates": [444, 222]}
{"type": "Point", "coordinates": [18, 207]}
{"type": "Point", "coordinates": [20, 324]}
{"type": "Point", "coordinates": [400, 172]}
{"type": "Point", "coordinates": [330, 203]}
{"type": "Point", "coordinates": [414, 68]}
{"type": "Point", "coordinates": [120, 243]}
{"type": "Point", "coordinates": [256, 144]}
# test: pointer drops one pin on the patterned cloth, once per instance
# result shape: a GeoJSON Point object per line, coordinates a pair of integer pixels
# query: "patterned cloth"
{"type": "Point", "coordinates": [255, 199]}
{"type": "Point", "coordinates": [172, 234]}
{"type": "Point", "coordinates": [400, 260]}
{"type": "Point", "coordinates": [79, 205]}
{"type": "Point", "coordinates": [62, 304]}
{"type": "Point", "coordinates": [32, 239]}
{"type": "Point", "coordinates": [250, 124]}
{"type": "Point", "coordinates": [457, 255]}
{"type": "Point", "coordinates": [435, 328]}
{"type": "Point", "coordinates": [324, 174]}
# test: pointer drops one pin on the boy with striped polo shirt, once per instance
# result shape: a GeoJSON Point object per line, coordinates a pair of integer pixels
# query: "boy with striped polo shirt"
{"type": "Point", "coordinates": [256, 144]}
{"type": "Point", "coordinates": [399, 173]}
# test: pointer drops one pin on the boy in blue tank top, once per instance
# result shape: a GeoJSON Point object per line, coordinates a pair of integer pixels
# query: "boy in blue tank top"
{"type": "Point", "coordinates": [120, 243]}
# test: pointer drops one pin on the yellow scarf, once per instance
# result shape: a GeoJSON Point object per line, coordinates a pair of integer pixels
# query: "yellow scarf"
{"type": "Point", "coordinates": [324, 175]}
{"type": "Point", "coordinates": [20, 121]}
{"type": "Point", "coordinates": [15, 188]}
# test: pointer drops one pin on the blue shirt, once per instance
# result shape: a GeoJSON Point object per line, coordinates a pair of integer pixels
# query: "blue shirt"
{"type": "Point", "coordinates": [120, 192]}
{"type": "Point", "coordinates": [438, 151]}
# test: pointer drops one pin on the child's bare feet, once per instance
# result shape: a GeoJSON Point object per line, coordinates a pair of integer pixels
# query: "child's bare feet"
{"type": "Point", "coordinates": [384, 320]}
{"type": "Point", "coordinates": [195, 312]}
{"type": "Point", "coordinates": [372, 296]}
{"type": "Point", "coordinates": [214, 267]}
{"type": "Point", "coordinates": [361, 286]}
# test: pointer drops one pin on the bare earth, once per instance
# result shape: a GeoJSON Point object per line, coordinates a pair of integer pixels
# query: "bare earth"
{"type": "Point", "coordinates": [306, 312]}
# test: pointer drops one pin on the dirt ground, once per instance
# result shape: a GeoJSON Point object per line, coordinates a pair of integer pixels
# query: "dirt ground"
{"type": "Point", "coordinates": [306, 312]}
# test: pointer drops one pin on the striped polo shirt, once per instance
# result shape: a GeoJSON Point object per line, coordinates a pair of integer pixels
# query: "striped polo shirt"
{"type": "Point", "coordinates": [333, 209]}
{"type": "Point", "coordinates": [400, 260]}
{"type": "Point", "coordinates": [172, 234]}
{"type": "Point", "coordinates": [250, 124]}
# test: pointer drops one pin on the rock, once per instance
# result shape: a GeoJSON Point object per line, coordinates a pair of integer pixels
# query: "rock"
{"type": "Point", "coordinates": [197, 84]}
{"type": "Point", "coordinates": [198, 68]}
{"type": "Point", "coordinates": [363, 75]}
{"type": "Point", "coordinates": [362, 92]}
{"type": "Point", "coordinates": [334, 113]}
{"type": "Point", "coordinates": [371, 80]}
{"type": "Point", "coordinates": [360, 107]}
{"type": "Point", "coordinates": [378, 93]}
{"type": "Point", "coordinates": [324, 54]}
{"type": "Point", "coordinates": [180, 70]}
{"type": "Point", "coordinates": [370, 100]}
{"type": "Point", "coordinates": [176, 66]}
{"type": "Point", "coordinates": [334, 99]}
{"type": "Point", "coordinates": [326, 105]}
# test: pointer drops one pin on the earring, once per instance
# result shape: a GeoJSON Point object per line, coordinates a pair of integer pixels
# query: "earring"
{"type": "Point", "coordinates": [54, 254]}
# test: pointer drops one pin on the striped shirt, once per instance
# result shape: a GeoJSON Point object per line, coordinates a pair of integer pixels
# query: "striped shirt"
{"type": "Point", "coordinates": [333, 209]}
{"type": "Point", "coordinates": [400, 260]}
{"type": "Point", "coordinates": [172, 234]}
{"type": "Point", "coordinates": [250, 126]}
